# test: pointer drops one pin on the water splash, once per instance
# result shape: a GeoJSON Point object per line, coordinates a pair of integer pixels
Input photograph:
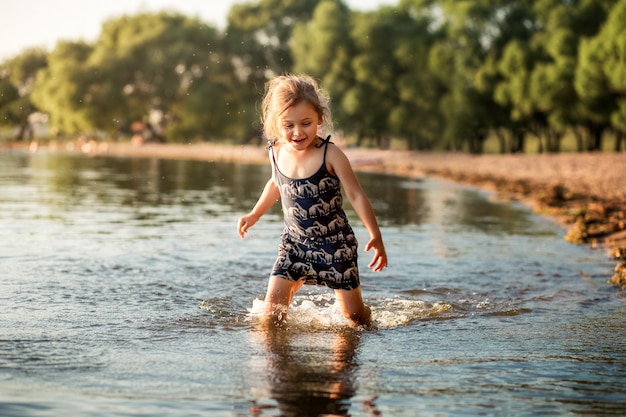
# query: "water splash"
{"type": "Point", "coordinates": [321, 312]}
{"type": "Point", "coordinates": [399, 312]}
{"type": "Point", "coordinates": [304, 313]}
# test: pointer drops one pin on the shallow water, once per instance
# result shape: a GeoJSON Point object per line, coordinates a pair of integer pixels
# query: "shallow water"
{"type": "Point", "coordinates": [124, 290]}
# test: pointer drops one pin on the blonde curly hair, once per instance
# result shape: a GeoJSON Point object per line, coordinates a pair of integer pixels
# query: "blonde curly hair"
{"type": "Point", "coordinates": [285, 91]}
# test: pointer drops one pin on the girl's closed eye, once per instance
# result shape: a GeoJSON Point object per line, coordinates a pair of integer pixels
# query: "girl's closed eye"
{"type": "Point", "coordinates": [290, 126]}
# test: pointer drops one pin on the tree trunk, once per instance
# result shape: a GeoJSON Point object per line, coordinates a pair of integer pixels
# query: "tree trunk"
{"type": "Point", "coordinates": [554, 141]}
{"type": "Point", "coordinates": [384, 142]}
{"type": "Point", "coordinates": [578, 134]}
{"type": "Point", "coordinates": [595, 142]}
{"type": "Point", "coordinates": [500, 134]}
{"type": "Point", "coordinates": [25, 128]}
{"type": "Point", "coordinates": [620, 138]}
{"type": "Point", "coordinates": [359, 139]}
{"type": "Point", "coordinates": [477, 139]}
{"type": "Point", "coordinates": [540, 147]}
{"type": "Point", "coordinates": [517, 141]}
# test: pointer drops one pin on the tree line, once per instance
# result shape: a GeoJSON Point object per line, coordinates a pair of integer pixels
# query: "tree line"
{"type": "Point", "coordinates": [434, 74]}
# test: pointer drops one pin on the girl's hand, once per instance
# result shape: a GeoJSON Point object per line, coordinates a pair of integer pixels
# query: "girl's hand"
{"type": "Point", "coordinates": [379, 260]}
{"type": "Point", "coordinates": [244, 223]}
{"type": "Point", "coordinates": [270, 194]}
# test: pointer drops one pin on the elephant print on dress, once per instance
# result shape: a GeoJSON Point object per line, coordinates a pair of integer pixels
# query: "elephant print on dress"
{"type": "Point", "coordinates": [327, 184]}
{"type": "Point", "coordinates": [319, 209]}
{"type": "Point", "coordinates": [318, 244]}
{"type": "Point", "coordinates": [299, 212]}
{"type": "Point", "coordinates": [336, 224]}
{"type": "Point", "coordinates": [336, 202]}
{"type": "Point", "coordinates": [313, 231]}
{"type": "Point", "coordinates": [343, 253]}
{"type": "Point", "coordinates": [351, 273]}
{"type": "Point", "coordinates": [319, 256]}
{"type": "Point", "coordinates": [302, 268]}
{"type": "Point", "coordinates": [305, 190]}
{"type": "Point", "coordinates": [332, 275]}
{"type": "Point", "coordinates": [322, 229]}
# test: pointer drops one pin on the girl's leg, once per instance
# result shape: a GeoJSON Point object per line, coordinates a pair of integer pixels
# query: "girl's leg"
{"type": "Point", "coordinates": [352, 307]}
{"type": "Point", "coordinates": [280, 291]}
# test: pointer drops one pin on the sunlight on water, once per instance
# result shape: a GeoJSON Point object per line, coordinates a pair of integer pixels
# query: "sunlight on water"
{"type": "Point", "coordinates": [125, 290]}
{"type": "Point", "coordinates": [392, 313]}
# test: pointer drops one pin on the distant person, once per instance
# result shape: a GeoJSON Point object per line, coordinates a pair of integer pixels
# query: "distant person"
{"type": "Point", "coordinates": [317, 245]}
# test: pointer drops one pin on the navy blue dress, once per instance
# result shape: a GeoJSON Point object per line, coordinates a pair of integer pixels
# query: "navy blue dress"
{"type": "Point", "coordinates": [317, 243]}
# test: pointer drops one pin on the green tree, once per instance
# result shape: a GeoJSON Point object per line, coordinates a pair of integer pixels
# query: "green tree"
{"type": "Point", "coordinates": [143, 67]}
{"type": "Point", "coordinates": [323, 49]}
{"type": "Point", "coordinates": [257, 42]}
{"type": "Point", "coordinates": [17, 79]}
{"type": "Point", "coordinates": [369, 100]}
{"type": "Point", "coordinates": [211, 107]}
{"type": "Point", "coordinates": [436, 73]}
{"type": "Point", "coordinates": [515, 67]}
{"type": "Point", "coordinates": [374, 65]}
{"type": "Point", "coordinates": [260, 32]}
{"type": "Point", "coordinates": [60, 88]}
{"type": "Point", "coordinates": [561, 25]}
{"type": "Point", "coordinates": [8, 97]}
{"type": "Point", "coordinates": [600, 78]}
{"type": "Point", "coordinates": [551, 81]}
{"type": "Point", "coordinates": [467, 59]}
{"type": "Point", "coordinates": [414, 68]}
{"type": "Point", "coordinates": [415, 115]}
{"type": "Point", "coordinates": [162, 69]}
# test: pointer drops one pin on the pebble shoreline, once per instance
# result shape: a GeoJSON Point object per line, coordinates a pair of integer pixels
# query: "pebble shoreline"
{"type": "Point", "coordinates": [584, 192]}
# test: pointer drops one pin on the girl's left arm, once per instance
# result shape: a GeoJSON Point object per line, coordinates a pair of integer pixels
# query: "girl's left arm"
{"type": "Point", "coordinates": [340, 165]}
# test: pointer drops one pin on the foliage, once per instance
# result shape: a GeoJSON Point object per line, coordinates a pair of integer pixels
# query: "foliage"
{"type": "Point", "coordinates": [601, 77]}
{"type": "Point", "coordinates": [435, 74]}
{"type": "Point", "coordinates": [17, 80]}
{"type": "Point", "coordinates": [149, 68]}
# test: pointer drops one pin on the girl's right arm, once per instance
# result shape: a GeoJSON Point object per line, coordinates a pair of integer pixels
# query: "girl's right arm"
{"type": "Point", "coordinates": [267, 199]}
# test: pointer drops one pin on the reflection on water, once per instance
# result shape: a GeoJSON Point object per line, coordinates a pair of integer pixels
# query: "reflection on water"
{"type": "Point", "coordinates": [104, 263]}
{"type": "Point", "coordinates": [99, 184]}
{"type": "Point", "coordinates": [304, 373]}
{"type": "Point", "coordinates": [442, 203]}
{"type": "Point", "coordinates": [137, 182]}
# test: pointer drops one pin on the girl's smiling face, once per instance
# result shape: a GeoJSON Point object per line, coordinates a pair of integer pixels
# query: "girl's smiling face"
{"type": "Point", "coordinates": [298, 125]}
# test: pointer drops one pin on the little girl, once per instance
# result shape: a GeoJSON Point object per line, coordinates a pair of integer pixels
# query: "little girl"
{"type": "Point", "coordinates": [317, 245]}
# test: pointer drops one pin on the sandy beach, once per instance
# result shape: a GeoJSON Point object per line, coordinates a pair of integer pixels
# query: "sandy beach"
{"type": "Point", "coordinates": [586, 193]}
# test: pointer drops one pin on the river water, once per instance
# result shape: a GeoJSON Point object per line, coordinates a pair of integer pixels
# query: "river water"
{"type": "Point", "coordinates": [125, 290]}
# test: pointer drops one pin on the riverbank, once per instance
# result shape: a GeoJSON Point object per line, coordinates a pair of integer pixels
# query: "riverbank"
{"type": "Point", "coordinates": [586, 193]}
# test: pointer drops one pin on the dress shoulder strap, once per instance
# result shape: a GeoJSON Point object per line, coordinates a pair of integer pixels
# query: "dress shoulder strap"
{"type": "Point", "coordinates": [270, 144]}
{"type": "Point", "coordinates": [325, 143]}
{"type": "Point", "coordinates": [270, 149]}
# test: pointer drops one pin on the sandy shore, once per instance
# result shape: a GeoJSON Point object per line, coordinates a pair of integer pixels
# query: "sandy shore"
{"type": "Point", "coordinates": [586, 193]}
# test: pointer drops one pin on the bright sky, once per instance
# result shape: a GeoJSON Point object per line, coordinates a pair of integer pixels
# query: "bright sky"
{"type": "Point", "coordinates": [41, 23]}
